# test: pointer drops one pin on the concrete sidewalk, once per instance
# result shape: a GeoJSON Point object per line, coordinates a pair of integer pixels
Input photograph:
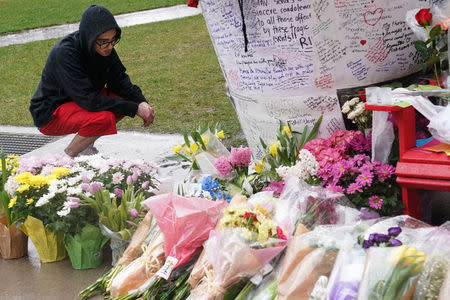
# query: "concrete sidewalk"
{"type": "Point", "coordinates": [124, 20]}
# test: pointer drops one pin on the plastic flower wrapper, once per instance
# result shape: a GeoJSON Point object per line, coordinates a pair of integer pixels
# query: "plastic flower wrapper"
{"type": "Point", "coordinates": [185, 223]}
{"type": "Point", "coordinates": [347, 272]}
{"type": "Point", "coordinates": [145, 233]}
{"type": "Point", "coordinates": [137, 276]}
{"type": "Point", "coordinates": [202, 264]}
{"type": "Point", "coordinates": [312, 205]}
{"type": "Point", "coordinates": [233, 259]}
{"type": "Point", "coordinates": [310, 255]}
{"type": "Point", "coordinates": [390, 272]}
{"type": "Point", "coordinates": [85, 249]}
{"type": "Point", "coordinates": [436, 271]}
{"type": "Point", "coordinates": [201, 147]}
{"type": "Point", "coordinates": [412, 232]}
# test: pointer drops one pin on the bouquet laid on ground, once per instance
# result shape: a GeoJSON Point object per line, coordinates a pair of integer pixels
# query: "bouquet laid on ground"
{"type": "Point", "coordinates": [185, 223]}
{"type": "Point", "coordinates": [434, 282]}
{"type": "Point", "coordinates": [346, 168]}
{"type": "Point", "coordinates": [247, 240]}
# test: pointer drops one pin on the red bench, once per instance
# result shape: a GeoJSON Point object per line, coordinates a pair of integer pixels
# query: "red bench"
{"type": "Point", "coordinates": [416, 170]}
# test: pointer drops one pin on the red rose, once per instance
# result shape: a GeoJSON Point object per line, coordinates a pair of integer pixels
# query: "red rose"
{"type": "Point", "coordinates": [424, 17]}
{"type": "Point", "coordinates": [192, 3]}
{"type": "Point", "coordinates": [362, 95]}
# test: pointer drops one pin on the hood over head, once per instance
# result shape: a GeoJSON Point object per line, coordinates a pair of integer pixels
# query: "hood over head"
{"type": "Point", "coordinates": [95, 20]}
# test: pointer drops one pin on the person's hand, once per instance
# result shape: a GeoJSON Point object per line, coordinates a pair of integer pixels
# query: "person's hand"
{"type": "Point", "coordinates": [146, 113]}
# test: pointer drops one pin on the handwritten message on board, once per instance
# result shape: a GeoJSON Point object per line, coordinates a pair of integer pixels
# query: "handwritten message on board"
{"type": "Point", "coordinates": [300, 51]}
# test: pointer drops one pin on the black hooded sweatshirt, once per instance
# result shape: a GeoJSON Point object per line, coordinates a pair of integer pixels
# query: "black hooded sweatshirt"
{"type": "Point", "coordinates": [75, 72]}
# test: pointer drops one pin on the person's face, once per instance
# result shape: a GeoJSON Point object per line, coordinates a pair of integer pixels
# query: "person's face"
{"type": "Point", "coordinates": [105, 42]}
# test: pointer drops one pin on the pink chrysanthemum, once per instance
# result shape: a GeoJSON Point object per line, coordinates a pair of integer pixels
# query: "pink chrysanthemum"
{"type": "Point", "coordinates": [375, 202]}
{"type": "Point", "coordinates": [240, 157]}
{"type": "Point", "coordinates": [335, 188]}
{"type": "Point", "coordinates": [384, 171]}
{"type": "Point", "coordinates": [224, 166]}
{"type": "Point", "coordinates": [353, 188]}
{"type": "Point", "coordinates": [365, 179]}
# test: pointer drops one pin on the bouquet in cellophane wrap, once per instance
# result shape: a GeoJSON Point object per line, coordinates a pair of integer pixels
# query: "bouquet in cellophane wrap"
{"type": "Point", "coordinates": [185, 223]}
{"type": "Point", "coordinates": [395, 256]}
{"type": "Point", "coordinates": [247, 241]}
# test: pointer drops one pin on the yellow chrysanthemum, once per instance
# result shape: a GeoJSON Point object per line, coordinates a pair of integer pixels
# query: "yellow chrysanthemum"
{"type": "Point", "coordinates": [50, 178]}
{"type": "Point", "coordinates": [23, 187]}
{"type": "Point", "coordinates": [176, 149]}
{"type": "Point", "coordinates": [286, 130]}
{"type": "Point", "coordinates": [12, 202]}
{"type": "Point", "coordinates": [220, 134]}
{"type": "Point", "coordinates": [194, 147]}
{"type": "Point", "coordinates": [29, 201]}
{"type": "Point", "coordinates": [273, 148]}
{"type": "Point", "coordinates": [14, 170]}
{"type": "Point", "coordinates": [38, 180]}
{"type": "Point", "coordinates": [60, 171]}
{"type": "Point", "coordinates": [23, 177]}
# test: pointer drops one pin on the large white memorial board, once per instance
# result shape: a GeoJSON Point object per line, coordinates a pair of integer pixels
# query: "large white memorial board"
{"type": "Point", "coordinates": [300, 51]}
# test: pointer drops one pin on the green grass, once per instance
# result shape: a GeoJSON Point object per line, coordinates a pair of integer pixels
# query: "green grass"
{"type": "Point", "coordinates": [18, 15]}
{"type": "Point", "coordinates": [173, 62]}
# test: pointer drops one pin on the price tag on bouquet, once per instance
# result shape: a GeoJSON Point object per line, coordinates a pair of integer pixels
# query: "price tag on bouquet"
{"type": "Point", "coordinates": [167, 269]}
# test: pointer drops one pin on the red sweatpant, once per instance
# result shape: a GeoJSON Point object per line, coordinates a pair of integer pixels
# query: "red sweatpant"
{"type": "Point", "coordinates": [71, 118]}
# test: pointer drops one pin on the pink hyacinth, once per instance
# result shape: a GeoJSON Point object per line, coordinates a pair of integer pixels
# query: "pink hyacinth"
{"type": "Point", "coordinates": [316, 146]}
{"type": "Point", "coordinates": [375, 202]}
{"type": "Point", "coordinates": [224, 166]}
{"type": "Point", "coordinates": [145, 184]}
{"type": "Point", "coordinates": [276, 187]}
{"type": "Point", "coordinates": [118, 192]}
{"type": "Point", "coordinates": [85, 187]}
{"type": "Point", "coordinates": [240, 157]}
{"type": "Point", "coordinates": [134, 212]}
{"type": "Point", "coordinates": [95, 186]}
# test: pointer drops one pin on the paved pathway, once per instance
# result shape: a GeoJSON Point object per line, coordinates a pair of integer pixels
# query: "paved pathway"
{"type": "Point", "coordinates": [125, 20]}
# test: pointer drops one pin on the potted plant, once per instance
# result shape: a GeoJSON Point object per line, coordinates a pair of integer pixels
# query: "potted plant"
{"type": "Point", "coordinates": [13, 242]}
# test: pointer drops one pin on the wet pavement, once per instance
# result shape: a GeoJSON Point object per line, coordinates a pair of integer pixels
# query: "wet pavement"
{"type": "Point", "coordinates": [27, 278]}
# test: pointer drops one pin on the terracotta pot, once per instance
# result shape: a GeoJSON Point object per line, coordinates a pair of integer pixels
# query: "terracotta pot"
{"type": "Point", "coordinates": [13, 242]}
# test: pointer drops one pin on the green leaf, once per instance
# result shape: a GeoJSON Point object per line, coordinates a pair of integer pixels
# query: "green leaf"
{"type": "Point", "coordinates": [315, 130]}
{"type": "Point", "coordinates": [420, 46]}
{"type": "Point", "coordinates": [264, 145]}
{"type": "Point", "coordinates": [186, 138]}
{"type": "Point", "coordinates": [435, 31]}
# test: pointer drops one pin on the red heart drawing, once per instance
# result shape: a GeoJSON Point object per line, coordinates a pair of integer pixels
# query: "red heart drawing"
{"type": "Point", "coordinates": [363, 42]}
{"type": "Point", "coordinates": [372, 17]}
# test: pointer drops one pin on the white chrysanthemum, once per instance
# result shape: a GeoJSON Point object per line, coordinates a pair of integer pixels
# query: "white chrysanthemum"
{"type": "Point", "coordinates": [65, 210]}
{"type": "Point", "coordinates": [11, 185]}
